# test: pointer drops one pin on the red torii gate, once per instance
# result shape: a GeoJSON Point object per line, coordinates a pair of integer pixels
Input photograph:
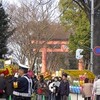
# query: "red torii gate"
{"type": "Point", "coordinates": [44, 51]}
{"type": "Point", "coordinates": [63, 48]}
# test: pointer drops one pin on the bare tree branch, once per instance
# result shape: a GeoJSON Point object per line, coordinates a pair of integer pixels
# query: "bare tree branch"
{"type": "Point", "coordinates": [97, 5]}
{"type": "Point", "coordinates": [32, 22]}
{"type": "Point", "coordinates": [84, 6]}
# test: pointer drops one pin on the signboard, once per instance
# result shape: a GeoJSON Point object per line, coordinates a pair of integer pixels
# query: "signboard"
{"type": "Point", "coordinates": [97, 50]}
{"type": "Point", "coordinates": [78, 53]}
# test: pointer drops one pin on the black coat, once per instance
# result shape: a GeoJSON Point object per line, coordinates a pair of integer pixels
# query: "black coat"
{"type": "Point", "coordinates": [2, 83]}
{"type": "Point", "coordinates": [9, 87]}
{"type": "Point", "coordinates": [22, 84]}
{"type": "Point", "coordinates": [64, 88]}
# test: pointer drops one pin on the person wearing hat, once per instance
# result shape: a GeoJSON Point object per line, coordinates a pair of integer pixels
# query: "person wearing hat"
{"type": "Point", "coordinates": [22, 84]}
{"type": "Point", "coordinates": [96, 88]}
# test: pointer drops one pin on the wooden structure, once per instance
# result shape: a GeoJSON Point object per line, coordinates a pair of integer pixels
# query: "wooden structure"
{"type": "Point", "coordinates": [62, 47]}
{"type": "Point", "coordinates": [58, 43]}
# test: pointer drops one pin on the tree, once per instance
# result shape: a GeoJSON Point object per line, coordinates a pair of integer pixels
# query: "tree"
{"type": "Point", "coordinates": [4, 32]}
{"type": "Point", "coordinates": [85, 5]}
{"type": "Point", "coordinates": [75, 19]}
{"type": "Point", "coordinates": [32, 22]}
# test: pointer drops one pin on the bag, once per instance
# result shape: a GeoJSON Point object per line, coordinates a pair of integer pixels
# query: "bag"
{"type": "Point", "coordinates": [40, 91]}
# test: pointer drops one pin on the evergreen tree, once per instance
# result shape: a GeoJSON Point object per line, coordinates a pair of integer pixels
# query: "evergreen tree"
{"type": "Point", "coordinates": [75, 19]}
{"type": "Point", "coordinates": [4, 33]}
{"type": "Point", "coordinates": [85, 5]}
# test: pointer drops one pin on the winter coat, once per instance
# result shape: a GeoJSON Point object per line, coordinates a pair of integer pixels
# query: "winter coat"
{"type": "Point", "coordinates": [87, 89]}
{"type": "Point", "coordinates": [2, 84]}
{"type": "Point", "coordinates": [64, 88]}
{"type": "Point", "coordinates": [9, 88]}
{"type": "Point", "coordinates": [42, 88]}
{"type": "Point", "coordinates": [96, 87]}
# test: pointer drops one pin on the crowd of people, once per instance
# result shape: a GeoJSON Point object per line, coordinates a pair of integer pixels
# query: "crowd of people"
{"type": "Point", "coordinates": [54, 89]}
{"type": "Point", "coordinates": [24, 83]}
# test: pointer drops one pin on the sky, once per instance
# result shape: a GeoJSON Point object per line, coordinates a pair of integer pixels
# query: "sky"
{"type": "Point", "coordinates": [55, 16]}
{"type": "Point", "coordinates": [16, 1]}
{"type": "Point", "coordinates": [11, 1]}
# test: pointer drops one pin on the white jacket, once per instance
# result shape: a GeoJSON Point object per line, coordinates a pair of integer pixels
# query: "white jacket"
{"type": "Point", "coordinates": [96, 87]}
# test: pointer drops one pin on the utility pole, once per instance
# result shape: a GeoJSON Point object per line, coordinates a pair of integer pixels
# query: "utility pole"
{"type": "Point", "coordinates": [92, 32]}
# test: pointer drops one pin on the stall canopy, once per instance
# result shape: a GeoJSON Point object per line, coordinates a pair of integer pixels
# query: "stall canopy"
{"type": "Point", "coordinates": [77, 73]}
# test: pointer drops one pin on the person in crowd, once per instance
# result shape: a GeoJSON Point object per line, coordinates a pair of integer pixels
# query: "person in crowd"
{"type": "Point", "coordinates": [52, 89]}
{"type": "Point", "coordinates": [93, 94]}
{"type": "Point", "coordinates": [96, 88]}
{"type": "Point", "coordinates": [31, 75]}
{"type": "Point", "coordinates": [57, 84]}
{"type": "Point", "coordinates": [48, 83]}
{"type": "Point", "coordinates": [87, 89]}
{"type": "Point", "coordinates": [60, 79]}
{"type": "Point", "coordinates": [22, 84]}
{"type": "Point", "coordinates": [2, 86]}
{"type": "Point", "coordinates": [9, 87]}
{"type": "Point", "coordinates": [64, 87]}
{"type": "Point", "coordinates": [42, 89]}
{"type": "Point", "coordinates": [35, 81]}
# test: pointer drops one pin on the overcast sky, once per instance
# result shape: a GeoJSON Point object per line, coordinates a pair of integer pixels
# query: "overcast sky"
{"type": "Point", "coordinates": [10, 1]}
{"type": "Point", "coordinates": [16, 2]}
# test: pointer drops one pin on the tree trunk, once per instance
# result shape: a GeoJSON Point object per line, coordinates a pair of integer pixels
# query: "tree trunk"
{"type": "Point", "coordinates": [96, 59]}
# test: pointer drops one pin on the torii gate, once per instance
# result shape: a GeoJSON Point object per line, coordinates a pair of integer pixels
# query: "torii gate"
{"type": "Point", "coordinates": [63, 48]}
{"type": "Point", "coordinates": [45, 50]}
